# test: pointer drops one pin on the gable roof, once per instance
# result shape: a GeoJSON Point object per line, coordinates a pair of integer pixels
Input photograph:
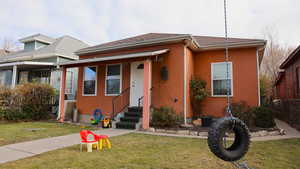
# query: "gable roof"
{"type": "Point", "coordinates": [290, 58]}
{"type": "Point", "coordinates": [64, 46]}
{"type": "Point", "coordinates": [197, 42]}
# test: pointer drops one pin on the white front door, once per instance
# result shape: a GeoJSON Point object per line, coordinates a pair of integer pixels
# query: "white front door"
{"type": "Point", "coordinates": [136, 82]}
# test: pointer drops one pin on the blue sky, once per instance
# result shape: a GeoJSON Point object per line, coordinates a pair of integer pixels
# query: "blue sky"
{"type": "Point", "coordinates": [98, 21]}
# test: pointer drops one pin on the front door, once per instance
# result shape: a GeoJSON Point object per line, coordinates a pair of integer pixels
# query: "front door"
{"type": "Point", "coordinates": [136, 82]}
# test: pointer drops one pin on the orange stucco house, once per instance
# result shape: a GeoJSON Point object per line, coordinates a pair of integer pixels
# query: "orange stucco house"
{"type": "Point", "coordinates": [153, 70]}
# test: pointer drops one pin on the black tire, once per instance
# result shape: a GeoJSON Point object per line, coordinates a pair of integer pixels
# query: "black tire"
{"type": "Point", "coordinates": [241, 141]}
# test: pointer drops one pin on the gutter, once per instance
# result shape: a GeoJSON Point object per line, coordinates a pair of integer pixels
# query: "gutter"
{"type": "Point", "coordinates": [135, 44]}
{"type": "Point", "coordinates": [233, 45]}
{"type": "Point", "coordinates": [32, 57]}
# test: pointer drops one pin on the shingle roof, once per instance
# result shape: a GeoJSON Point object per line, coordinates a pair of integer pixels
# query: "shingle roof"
{"type": "Point", "coordinates": [201, 40]}
{"type": "Point", "coordinates": [64, 46]}
{"type": "Point", "coordinates": [3, 52]}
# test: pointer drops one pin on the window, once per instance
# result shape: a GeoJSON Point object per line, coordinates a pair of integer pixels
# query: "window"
{"type": "Point", "coordinates": [113, 79]}
{"type": "Point", "coordinates": [90, 81]}
{"type": "Point", "coordinates": [69, 82]}
{"type": "Point", "coordinates": [220, 80]}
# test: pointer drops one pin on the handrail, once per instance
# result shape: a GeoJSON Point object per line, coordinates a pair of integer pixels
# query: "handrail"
{"type": "Point", "coordinates": [140, 99]}
{"type": "Point", "coordinates": [115, 111]}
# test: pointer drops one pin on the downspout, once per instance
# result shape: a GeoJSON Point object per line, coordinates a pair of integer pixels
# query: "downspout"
{"type": "Point", "coordinates": [258, 76]}
{"type": "Point", "coordinates": [185, 84]}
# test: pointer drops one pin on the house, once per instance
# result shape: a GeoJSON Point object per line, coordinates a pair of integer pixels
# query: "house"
{"type": "Point", "coordinates": [287, 84]}
{"type": "Point", "coordinates": [154, 69]}
{"type": "Point", "coordinates": [37, 62]}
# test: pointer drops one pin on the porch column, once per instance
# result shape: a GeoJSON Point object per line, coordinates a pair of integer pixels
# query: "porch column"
{"type": "Point", "coordinates": [147, 93]}
{"type": "Point", "coordinates": [14, 77]}
{"type": "Point", "coordinates": [62, 94]}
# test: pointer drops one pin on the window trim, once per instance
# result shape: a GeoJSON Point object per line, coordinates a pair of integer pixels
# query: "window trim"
{"type": "Point", "coordinates": [121, 77]}
{"type": "Point", "coordinates": [212, 79]}
{"type": "Point", "coordinates": [72, 82]}
{"type": "Point", "coordinates": [96, 82]}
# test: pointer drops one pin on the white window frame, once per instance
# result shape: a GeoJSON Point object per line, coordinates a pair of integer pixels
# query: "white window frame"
{"type": "Point", "coordinates": [121, 77]}
{"type": "Point", "coordinates": [72, 82]}
{"type": "Point", "coordinates": [212, 79]}
{"type": "Point", "coordinates": [96, 82]}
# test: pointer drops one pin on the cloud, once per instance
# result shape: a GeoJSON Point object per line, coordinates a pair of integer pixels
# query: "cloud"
{"type": "Point", "coordinates": [105, 20]}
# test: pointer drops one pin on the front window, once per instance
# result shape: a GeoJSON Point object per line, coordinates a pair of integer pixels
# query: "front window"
{"type": "Point", "coordinates": [113, 79]}
{"type": "Point", "coordinates": [90, 80]}
{"type": "Point", "coordinates": [220, 80]}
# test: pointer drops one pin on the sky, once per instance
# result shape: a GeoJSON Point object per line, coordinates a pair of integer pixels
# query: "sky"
{"type": "Point", "coordinates": [99, 21]}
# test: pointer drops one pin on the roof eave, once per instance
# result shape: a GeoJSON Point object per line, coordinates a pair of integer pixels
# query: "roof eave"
{"type": "Point", "coordinates": [289, 58]}
{"type": "Point", "coordinates": [136, 44]}
{"type": "Point", "coordinates": [233, 45]}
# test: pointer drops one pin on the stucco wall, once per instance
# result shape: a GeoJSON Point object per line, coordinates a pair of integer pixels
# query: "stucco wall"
{"type": "Point", "coordinates": [245, 81]}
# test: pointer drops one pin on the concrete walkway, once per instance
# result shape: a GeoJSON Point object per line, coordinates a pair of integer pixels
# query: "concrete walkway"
{"type": "Point", "coordinates": [290, 133]}
{"type": "Point", "coordinates": [18, 151]}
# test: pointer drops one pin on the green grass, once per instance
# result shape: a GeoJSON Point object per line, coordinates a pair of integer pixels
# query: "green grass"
{"type": "Point", "coordinates": [139, 151]}
{"type": "Point", "coordinates": [18, 132]}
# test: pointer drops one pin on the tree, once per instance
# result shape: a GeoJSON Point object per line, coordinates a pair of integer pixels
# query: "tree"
{"type": "Point", "coordinates": [275, 54]}
{"type": "Point", "coordinates": [9, 44]}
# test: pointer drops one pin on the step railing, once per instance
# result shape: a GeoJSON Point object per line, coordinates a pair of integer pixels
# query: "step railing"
{"type": "Point", "coordinates": [120, 102]}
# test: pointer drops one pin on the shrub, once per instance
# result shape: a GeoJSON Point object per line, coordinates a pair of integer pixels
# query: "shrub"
{"type": "Point", "coordinates": [165, 117]}
{"type": "Point", "coordinates": [198, 93]}
{"type": "Point", "coordinates": [242, 111]}
{"type": "Point", "coordinates": [30, 101]}
{"type": "Point", "coordinates": [264, 117]}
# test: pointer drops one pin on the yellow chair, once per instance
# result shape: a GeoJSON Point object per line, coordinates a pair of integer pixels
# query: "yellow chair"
{"type": "Point", "coordinates": [104, 142]}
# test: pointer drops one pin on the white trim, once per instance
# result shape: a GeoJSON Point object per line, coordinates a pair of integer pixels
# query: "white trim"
{"type": "Point", "coordinates": [185, 85]}
{"type": "Point", "coordinates": [212, 79]}
{"type": "Point", "coordinates": [14, 76]}
{"type": "Point", "coordinates": [121, 76]}
{"type": "Point", "coordinates": [258, 77]}
{"type": "Point", "coordinates": [117, 57]}
{"type": "Point", "coordinates": [96, 82]}
{"type": "Point", "coordinates": [27, 63]}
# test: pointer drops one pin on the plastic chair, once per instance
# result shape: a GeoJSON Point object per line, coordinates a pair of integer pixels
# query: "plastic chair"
{"type": "Point", "coordinates": [88, 142]}
{"type": "Point", "coordinates": [104, 141]}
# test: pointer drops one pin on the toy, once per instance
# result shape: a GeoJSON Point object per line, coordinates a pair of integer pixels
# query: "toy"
{"type": "Point", "coordinates": [103, 141]}
{"type": "Point", "coordinates": [88, 142]}
{"type": "Point", "coordinates": [97, 117]}
{"type": "Point", "coordinates": [106, 123]}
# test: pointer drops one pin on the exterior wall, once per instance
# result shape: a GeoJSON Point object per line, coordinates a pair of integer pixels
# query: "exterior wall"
{"type": "Point", "coordinates": [164, 93]}
{"type": "Point", "coordinates": [244, 72]}
{"type": "Point", "coordinates": [290, 86]}
{"type": "Point", "coordinates": [281, 88]}
{"type": "Point", "coordinates": [189, 74]}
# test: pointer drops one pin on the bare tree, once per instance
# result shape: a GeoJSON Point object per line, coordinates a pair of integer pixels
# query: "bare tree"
{"type": "Point", "coordinates": [9, 44]}
{"type": "Point", "coordinates": [275, 54]}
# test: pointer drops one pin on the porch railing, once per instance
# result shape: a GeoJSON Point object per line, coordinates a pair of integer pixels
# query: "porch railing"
{"type": "Point", "coordinates": [120, 102]}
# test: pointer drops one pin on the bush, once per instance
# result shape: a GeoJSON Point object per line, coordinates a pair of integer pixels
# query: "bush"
{"type": "Point", "coordinates": [198, 93]}
{"type": "Point", "coordinates": [30, 101]}
{"type": "Point", "coordinates": [242, 111]}
{"type": "Point", "coordinates": [165, 117]}
{"type": "Point", "coordinates": [264, 117]}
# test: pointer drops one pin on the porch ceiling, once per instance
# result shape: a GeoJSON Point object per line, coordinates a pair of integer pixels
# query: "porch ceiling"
{"type": "Point", "coordinates": [26, 64]}
{"type": "Point", "coordinates": [116, 57]}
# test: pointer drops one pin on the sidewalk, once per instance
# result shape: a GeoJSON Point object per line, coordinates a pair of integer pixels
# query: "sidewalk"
{"type": "Point", "coordinates": [18, 151]}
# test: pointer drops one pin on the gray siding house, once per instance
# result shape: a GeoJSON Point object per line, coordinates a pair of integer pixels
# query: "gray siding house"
{"type": "Point", "coordinates": [38, 61]}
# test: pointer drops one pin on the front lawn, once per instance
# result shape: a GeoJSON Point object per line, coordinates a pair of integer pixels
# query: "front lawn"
{"type": "Point", "coordinates": [24, 131]}
{"type": "Point", "coordinates": [136, 151]}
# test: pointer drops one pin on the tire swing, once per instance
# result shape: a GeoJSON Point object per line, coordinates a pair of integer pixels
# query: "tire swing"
{"type": "Point", "coordinates": [226, 126]}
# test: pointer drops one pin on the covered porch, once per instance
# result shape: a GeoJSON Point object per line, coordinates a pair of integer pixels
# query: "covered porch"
{"type": "Point", "coordinates": [14, 73]}
{"type": "Point", "coordinates": [112, 84]}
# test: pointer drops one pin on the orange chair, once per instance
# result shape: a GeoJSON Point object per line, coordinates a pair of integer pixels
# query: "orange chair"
{"type": "Point", "coordinates": [84, 134]}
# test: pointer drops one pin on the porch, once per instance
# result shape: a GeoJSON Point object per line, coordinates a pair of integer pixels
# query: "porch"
{"type": "Point", "coordinates": [112, 84]}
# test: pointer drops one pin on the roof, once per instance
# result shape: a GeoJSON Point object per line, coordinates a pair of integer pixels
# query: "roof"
{"type": "Point", "coordinates": [295, 54]}
{"type": "Point", "coordinates": [64, 46]}
{"type": "Point", "coordinates": [198, 42]}
{"type": "Point", "coordinates": [38, 37]}
{"type": "Point", "coordinates": [116, 57]}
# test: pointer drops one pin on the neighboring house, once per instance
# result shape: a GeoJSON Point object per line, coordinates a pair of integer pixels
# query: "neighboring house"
{"type": "Point", "coordinates": [155, 69]}
{"type": "Point", "coordinates": [288, 79]}
{"type": "Point", "coordinates": [37, 62]}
